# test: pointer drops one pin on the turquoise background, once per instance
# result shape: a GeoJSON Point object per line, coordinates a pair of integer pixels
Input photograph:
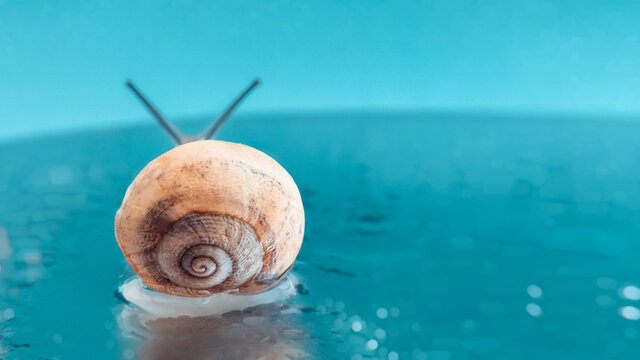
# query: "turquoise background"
{"type": "Point", "coordinates": [470, 171]}
{"type": "Point", "coordinates": [63, 64]}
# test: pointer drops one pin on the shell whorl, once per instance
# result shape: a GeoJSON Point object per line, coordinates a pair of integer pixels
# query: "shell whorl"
{"type": "Point", "coordinates": [209, 251]}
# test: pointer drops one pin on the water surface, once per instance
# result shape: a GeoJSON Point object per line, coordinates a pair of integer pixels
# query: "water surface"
{"type": "Point", "coordinates": [428, 237]}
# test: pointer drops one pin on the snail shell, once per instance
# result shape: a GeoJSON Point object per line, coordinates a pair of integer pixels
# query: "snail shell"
{"type": "Point", "coordinates": [211, 217]}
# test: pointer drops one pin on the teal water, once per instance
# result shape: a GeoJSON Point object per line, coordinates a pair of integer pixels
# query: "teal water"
{"type": "Point", "coordinates": [428, 237]}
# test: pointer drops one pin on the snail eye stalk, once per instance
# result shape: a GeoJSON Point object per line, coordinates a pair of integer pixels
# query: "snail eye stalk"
{"type": "Point", "coordinates": [176, 135]}
{"type": "Point", "coordinates": [215, 127]}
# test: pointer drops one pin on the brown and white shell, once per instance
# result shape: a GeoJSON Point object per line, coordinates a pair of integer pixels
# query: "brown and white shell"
{"type": "Point", "coordinates": [211, 217]}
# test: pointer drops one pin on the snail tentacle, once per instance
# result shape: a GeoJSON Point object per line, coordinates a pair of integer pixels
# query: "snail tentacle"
{"type": "Point", "coordinates": [215, 127]}
{"type": "Point", "coordinates": [176, 135]}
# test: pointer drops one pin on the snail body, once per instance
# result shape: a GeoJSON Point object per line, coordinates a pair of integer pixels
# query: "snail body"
{"type": "Point", "coordinates": [211, 217]}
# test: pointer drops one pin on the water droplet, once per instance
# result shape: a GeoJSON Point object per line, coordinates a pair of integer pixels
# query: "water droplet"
{"type": "Point", "coordinates": [8, 314]}
{"type": "Point", "coordinates": [372, 344]}
{"type": "Point", "coordinates": [629, 312]}
{"type": "Point", "coordinates": [534, 291]}
{"type": "Point", "coordinates": [356, 326]}
{"type": "Point", "coordinates": [382, 313]}
{"type": "Point", "coordinates": [606, 283]}
{"type": "Point", "coordinates": [630, 292]}
{"type": "Point", "coordinates": [534, 310]}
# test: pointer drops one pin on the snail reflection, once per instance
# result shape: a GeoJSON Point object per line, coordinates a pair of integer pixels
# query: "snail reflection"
{"type": "Point", "coordinates": [257, 326]}
{"type": "Point", "coordinates": [212, 229]}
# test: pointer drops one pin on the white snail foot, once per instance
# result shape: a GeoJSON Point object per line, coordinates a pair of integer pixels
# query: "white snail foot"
{"type": "Point", "coordinates": [159, 305]}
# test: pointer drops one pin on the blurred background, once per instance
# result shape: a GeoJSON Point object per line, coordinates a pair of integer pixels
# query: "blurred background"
{"type": "Point", "coordinates": [470, 172]}
{"type": "Point", "coordinates": [63, 64]}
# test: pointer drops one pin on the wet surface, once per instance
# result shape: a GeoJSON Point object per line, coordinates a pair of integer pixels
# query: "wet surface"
{"type": "Point", "coordinates": [428, 237]}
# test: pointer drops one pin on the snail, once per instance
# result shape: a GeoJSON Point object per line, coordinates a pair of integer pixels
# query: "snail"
{"type": "Point", "coordinates": [210, 216]}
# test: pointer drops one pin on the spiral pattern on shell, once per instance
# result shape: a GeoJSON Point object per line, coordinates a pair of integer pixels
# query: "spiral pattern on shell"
{"type": "Point", "coordinates": [212, 252]}
{"type": "Point", "coordinates": [210, 217]}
